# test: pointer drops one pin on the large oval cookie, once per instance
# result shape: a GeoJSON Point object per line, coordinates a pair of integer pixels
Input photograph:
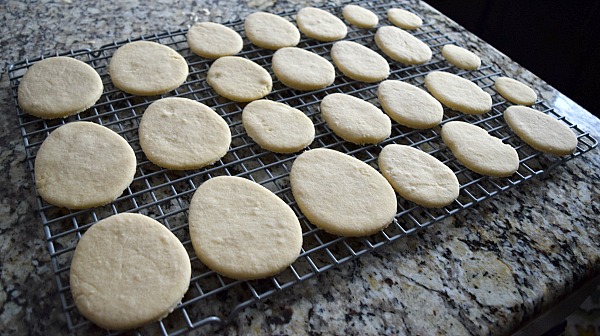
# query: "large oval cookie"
{"type": "Point", "coordinates": [82, 165]}
{"type": "Point", "coordinates": [320, 25]}
{"type": "Point", "coordinates": [354, 119]}
{"type": "Point", "coordinates": [239, 79]}
{"type": "Point", "coordinates": [180, 133]}
{"type": "Point", "coordinates": [401, 46]}
{"type": "Point", "coordinates": [340, 194]}
{"type": "Point", "coordinates": [302, 70]}
{"type": "Point", "coordinates": [58, 87]}
{"type": "Point", "coordinates": [408, 105]}
{"type": "Point", "coordinates": [418, 176]}
{"type": "Point", "coordinates": [515, 91]}
{"type": "Point", "coordinates": [128, 270]}
{"type": "Point", "coordinates": [213, 40]}
{"type": "Point", "coordinates": [458, 93]}
{"type": "Point", "coordinates": [242, 230]}
{"type": "Point", "coordinates": [359, 62]}
{"type": "Point", "coordinates": [540, 130]}
{"type": "Point", "coordinates": [277, 127]}
{"type": "Point", "coordinates": [477, 150]}
{"type": "Point", "coordinates": [270, 31]}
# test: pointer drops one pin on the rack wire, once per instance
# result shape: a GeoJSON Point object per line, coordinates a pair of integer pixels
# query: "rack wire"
{"type": "Point", "coordinates": [164, 195]}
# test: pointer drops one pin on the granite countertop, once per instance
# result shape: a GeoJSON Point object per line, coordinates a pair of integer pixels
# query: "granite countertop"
{"type": "Point", "coordinates": [537, 242]}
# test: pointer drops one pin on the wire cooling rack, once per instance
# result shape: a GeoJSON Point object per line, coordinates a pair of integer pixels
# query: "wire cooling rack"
{"type": "Point", "coordinates": [165, 195]}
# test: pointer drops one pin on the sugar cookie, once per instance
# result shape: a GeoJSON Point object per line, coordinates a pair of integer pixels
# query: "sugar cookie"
{"type": "Point", "coordinates": [58, 87]}
{"type": "Point", "coordinates": [359, 16]}
{"type": "Point", "coordinates": [128, 270]}
{"type": "Point", "coordinates": [320, 25]}
{"type": "Point", "coordinates": [277, 127]}
{"type": "Point", "coordinates": [242, 230]}
{"type": "Point", "coordinates": [239, 79]}
{"type": "Point", "coordinates": [340, 194]}
{"type": "Point", "coordinates": [270, 31]}
{"type": "Point", "coordinates": [458, 93]}
{"type": "Point", "coordinates": [146, 68]}
{"type": "Point", "coordinates": [401, 46]}
{"type": "Point", "coordinates": [180, 133]}
{"type": "Point", "coordinates": [354, 119]}
{"type": "Point", "coordinates": [408, 105]}
{"type": "Point", "coordinates": [83, 165]}
{"type": "Point", "coordinates": [515, 91]}
{"type": "Point", "coordinates": [404, 19]}
{"type": "Point", "coordinates": [359, 62]}
{"type": "Point", "coordinates": [541, 131]}
{"type": "Point", "coordinates": [302, 70]}
{"type": "Point", "coordinates": [477, 150]}
{"type": "Point", "coordinates": [213, 40]}
{"type": "Point", "coordinates": [461, 57]}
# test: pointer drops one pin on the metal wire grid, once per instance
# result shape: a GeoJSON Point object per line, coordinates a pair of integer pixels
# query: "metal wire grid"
{"type": "Point", "coordinates": [165, 195]}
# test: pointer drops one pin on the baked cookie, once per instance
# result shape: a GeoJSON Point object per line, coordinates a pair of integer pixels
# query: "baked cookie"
{"type": "Point", "coordinates": [461, 57]}
{"type": "Point", "coordinates": [59, 87]}
{"type": "Point", "coordinates": [340, 194]}
{"type": "Point", "coordinates": [302, 70]}
{"type": "Point", "coordinates": [320, 25]}
{"type": "Point", "coordinates": [359, 16]}
{"type": "Point", "coordinates": [408, 105]}
{"type": "Point", "coordinates": [359, 62]}
{"type": "Point", "coordinates": [354, 119]}
{"type": "Point", "coordinates": [146, 68]}
{"type": "Point", "coordinates": [213, 40]}
{"type": "Point", "coordinates": [242, 230]}
{"type": "Point", "coordinates": [458, 93]}
{"type": "Point", "coordinates": [180, 133]}
{"type": "Point", "coordinates": [277, 127]}
{"type": "Point", "coordinates": [239, 79]}
{"type": "Point", "coordinates": [515, 91]}
{"type": "Point", "coordinates": [270, 31]}
{"type": "Point", "coordinates": [541, 131]}
{"type": "Point", "coordinates": [401, 46]}
{"type": "Point", "coordinates": [404, 19]}
{"type": "Point", "coordinates": [418, 176]}
{"type": "Point", "coordinates": [83, 165]}
{"type": "Point", "coordinates": [128, 270]}
{"type": "Point", "coordinates": [477, 150]}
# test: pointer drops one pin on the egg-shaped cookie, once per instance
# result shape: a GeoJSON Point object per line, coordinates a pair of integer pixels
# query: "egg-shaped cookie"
{"type": "Point", "coordinates": [401, 46]}
{"type": "Point", "coordinates": [359, 62]}
{"type": "Point", "coordinates": [404, 19]}
{"type": "Point", "coordinates": [239, 79]}
{"type": "Point", "coordinates": [458, 93]}
{"type": "Point", "coordinates": [408, 105]}
{"type": "Point", "coordinates": [270, 31]}
{"type": "Point", "coordinates": [360, 16]}
{"type": "Point", "coordinates": [213, 40]}
{"type": "Point", "coordinates": [461, 57]}
{"type": "Point", "coordinates": [515, 91]}
{"type": "Point", "coordinates": [302, 70]}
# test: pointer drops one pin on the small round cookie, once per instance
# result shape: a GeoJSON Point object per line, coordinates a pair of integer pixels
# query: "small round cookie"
{"type": "Point", "coordinates": [320, 25]}
{"type": "Point", "coordinates": [302, 70]}
{"type": "Point", "coordinates": [277, 127]}
{"type": "Point", "coordinates": [354, 119]}
{"type": "Point", "coordinates": [146, 68]}
{"type": "Point", "coordinates": [270, 31]}
{"type": "Point", "coordinates": [359, 62]}
{"type": "Point", "coordinates": [83, 165]}
{"type": "Point", "coordinates": [180, 133]}
{"type": "Point", "coordinates": [213, 40]}
{"type": "Point", "coordinates": [408, 105]}
{"type": "Point", "coordinates": [404, 19]}
{"type": "Point", "coordinates": [359, 16]}
{"type": "Point", "coordinates": [418, 176]}
{"type": "Point", "coordinates": [541, 131]}
{"type": "Point", "coordinates": [242, 230]}
{"type": "Point", "coordinates": [128, 270]}
{"type": "Point", "coordinates": [401, 46]}
{"type": "Point", "coordinates": [59, 87]}
{"type": "Point", "coordinates": [461, 57]}
{"type": "Point", "coordinates": [477, 150]}
{"type": "Point", "coordinates": [239, 79]}
{"type": "Point", "coordinates": [458, 93]}
{"type": "Point", "coordinates": [341, 194]}
{"type": "Point", "coordinates": [515, 91]}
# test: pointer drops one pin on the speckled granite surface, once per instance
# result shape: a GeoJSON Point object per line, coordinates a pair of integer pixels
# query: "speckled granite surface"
{"type": "Point", "coordinates": [537, 242]}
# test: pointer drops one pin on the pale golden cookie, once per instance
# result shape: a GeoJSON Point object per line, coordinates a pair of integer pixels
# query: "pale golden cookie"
{"type": "Point", "coordinates": [359, 62]}
{"type": "Point", "coordinates": [515, 91]}
{"type": "Point", "coordinates": [83, 165]}
{"type": "Point", "coordinates": [458, 93]}
{"type": "Point", "coordinates": [320, 25]}
{"type": "Point", "coordinates": [461, 57]}
{"type": "Point", "coordinates": [302, 70]}
{"type": "Point", "coordinates": [359, 16]}
{"type": "Point", "coordinates": [541, 131]}
{"type": "Point", "coordinates": [270, 31]}
{"type": "Point", "coordinates": [242, 230]}
{"type": "Point", "coordinates": [146, 68]}
{"type": "Point", "coordinates": [404, 19]}
{"type": "Point", "coordinates": [58, 87]}
{"type": "Point", "coordinates": [128, 270]}
{"type": "Point", "coordinates": [213, 40]}
{"type": "Point", "coordinates": [341, 194]}
{"type": "Point", "coordinates": [401, 46]}
{"type": "Point", "coordinates": [239, 79]}
{"type": "Point", "coordinates": [408, 105]}
{"type": "Point", "coordinates": [180, 133]}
